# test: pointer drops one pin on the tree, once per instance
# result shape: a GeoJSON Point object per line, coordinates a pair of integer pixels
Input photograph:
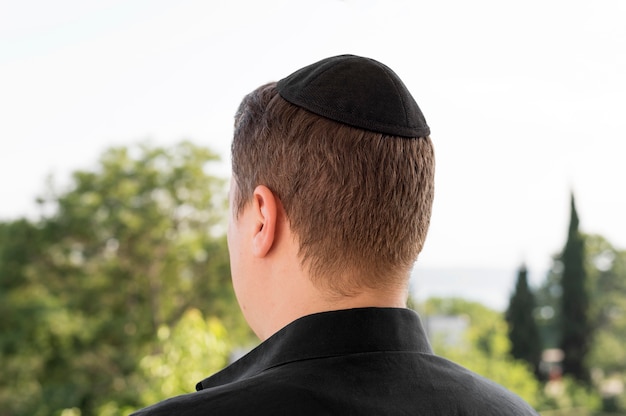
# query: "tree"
{"type": "Point", "coordinates": [522, 328]}
{"type": "Point", "coordinates": [607, 354]}
{"type": "Point", "coordinates": [125, 251]}
{"type": "Point", "coordinates": [23, 305]}
{"type": "Point", "coordinates": [548, 297]}
{"type": "Point", "coordinates": [193, 340]}
{"type": "Point", "coordinates": [575, 324]}
{"type": "Point", "coordinates": [606, 276]}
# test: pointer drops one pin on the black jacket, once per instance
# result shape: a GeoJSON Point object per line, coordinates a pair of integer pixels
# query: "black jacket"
{"type": "Point", "coordinates": [369, 361]}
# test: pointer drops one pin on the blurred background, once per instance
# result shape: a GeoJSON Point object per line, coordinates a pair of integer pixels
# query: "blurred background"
{"type": "Point", "coordinates": [115, 127]}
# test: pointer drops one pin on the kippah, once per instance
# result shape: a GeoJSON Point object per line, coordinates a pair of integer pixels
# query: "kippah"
{"type": "Point", "coordinates": [357, 91]}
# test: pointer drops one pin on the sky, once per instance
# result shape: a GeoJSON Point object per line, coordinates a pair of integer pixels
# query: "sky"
{"type": "Point", "coordinates": [526, 100]}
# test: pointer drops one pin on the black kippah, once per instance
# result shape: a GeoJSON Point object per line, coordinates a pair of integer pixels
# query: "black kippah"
{"type": "Point", "coordinates": [360, 92]}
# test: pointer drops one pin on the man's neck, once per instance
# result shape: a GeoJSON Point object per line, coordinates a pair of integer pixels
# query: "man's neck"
{"type": "Point", "coordinates": [296, 305]}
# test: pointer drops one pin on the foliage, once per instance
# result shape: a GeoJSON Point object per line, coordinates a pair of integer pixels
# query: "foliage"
{"type": "Point", "coordinates": [606, 270]}
{"type": "Point", "coordinates": [548, 313]}
{"type": "Point", "coordinates": [575, 321]}
{"type": "Point", "coordinates": [193, 340]}
{"type": "Point", "coordinates": [522, 328]}
{"type": "Point", "coordinates": [127, 250]}
{"type": "Point", "coordinates": [486, 349]}
{"type": "Point", "coordinates": [568, 394]}
{"type": "Point", "coordinates": [607, 273]}
{"type": "Point", "coordinates": [24, 347]}
{"type": "Point", "coordinates": [190, 351]}
{"type": "Point", "coordinates": [607, 354]}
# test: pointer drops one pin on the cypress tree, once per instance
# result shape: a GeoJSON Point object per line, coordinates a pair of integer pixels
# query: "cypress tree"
{"type": "Point", "coordinates": [523, 331]}
{"type": "Point", "coordinates": [575, 326]}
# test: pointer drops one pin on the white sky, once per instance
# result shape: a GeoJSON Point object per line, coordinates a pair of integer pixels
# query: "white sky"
{"type": "Point", "coordinates": [525, 100]}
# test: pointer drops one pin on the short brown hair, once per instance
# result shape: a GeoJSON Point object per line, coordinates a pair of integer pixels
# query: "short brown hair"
{"type": "Point", "coordinates": [359, 202]}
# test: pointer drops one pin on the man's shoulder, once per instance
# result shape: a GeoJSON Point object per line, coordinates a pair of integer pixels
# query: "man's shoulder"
{"type": "Point", "coordinates": [468, 389]}
{"type": "Point", "coordinates": [443, 389]}
{"type": "Point", "coordinates": [242, 398]}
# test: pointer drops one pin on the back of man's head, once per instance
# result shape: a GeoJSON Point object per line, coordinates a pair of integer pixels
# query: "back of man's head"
{"type": "Point", "coordinates": [345, 148]}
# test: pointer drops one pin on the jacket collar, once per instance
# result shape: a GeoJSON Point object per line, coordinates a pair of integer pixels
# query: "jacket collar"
{"type": "Point", "coordinates": [329, 334]}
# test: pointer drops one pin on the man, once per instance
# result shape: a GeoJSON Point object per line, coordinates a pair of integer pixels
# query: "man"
{"type": "Point", "coordinates": [330, 201]}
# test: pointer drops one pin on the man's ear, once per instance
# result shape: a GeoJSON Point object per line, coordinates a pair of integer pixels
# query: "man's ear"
{"type": "Point", "coordinates": [265, 208]}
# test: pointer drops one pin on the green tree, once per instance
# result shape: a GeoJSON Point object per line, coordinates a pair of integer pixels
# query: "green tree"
{"type": "Point", "coordinates": [548, 297]}
{"type": "Point", "coordinates": [606, 273]}
{"type": "Point", "coordinates": [575, 322]}
{"type": "Point", "coordinates": [606, 266]}
{"type": "Point", "coordinates": [522, 328]}
{"type": "Point", "coordinates": [173, 369]}
{"type": "Point", "coordinates": [127, 249]}
{"type": "Point", "coordinates": [23, 304]}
